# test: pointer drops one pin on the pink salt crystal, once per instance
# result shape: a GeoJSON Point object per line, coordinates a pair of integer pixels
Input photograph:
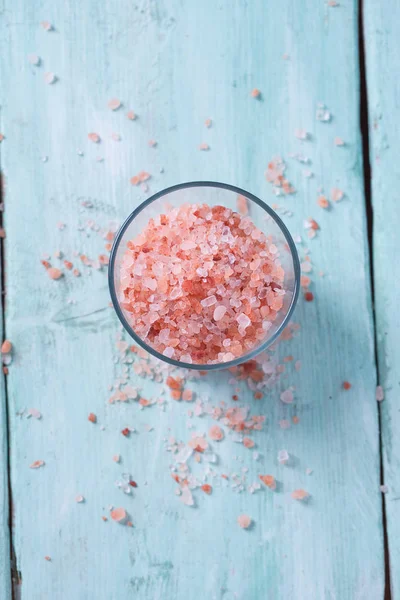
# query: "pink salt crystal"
{"type": "Point", "coordinates": [169, 352]}
{"type": "Point", "coordinates": [186, 496]}
{"type": "Point", "coordinates": [37, 464]}
{"type": "Point", "coordinates": [116, 458]}
{"type": "Point", "coordinates": [204, 147]}
{"type": "Point", "coordinates": [187, 395]}
{"type": "Point", "coordinates": [79, 499]}
{"type": "Point", "coordinates": [33, 412]}
{"type": "Point", "coordinates": [54, 273]}
{"type": "Point", "coordinates": [208, 122]}
{"type": "Point", "coordinates": [248, 442]}
{"type": "Point", "coordinates": [244, 521]}
{"type": "Point", "coordinates": [300, 494]}
{"type": "Point", "coordinates": [242, 205]}
{"type": "Point", "coordinates": [219, 312]}
{"type": "Point", "coordinates": [380, 395]}
{"type": "Point", "coordinates": [114, 104]}
{"type": "Point", "coordinates": [287, 396]}
{"type": "Point", "coordinates": [6, 347]}
{"type": "Point", "coordinates": [301, 134]}
{"type": "Point", "coordinates": [255, 93]}
{"type": "Point", "coordinates": [243, 320]}
{"type": "Point", "coordinates": [94, 137]}
{"type": "Point", "coordinates": [50, 78]}
{"type": "Point", "coordinates": [338, 141]}
{"type": "Point", "coordinates": [209, 301]}
{"type": "Point", "coordinates": [119, 515]}
{"type": "Point", "coordinates": [215, 433]}
{"type": "Point", "coordinates": [47, 26]}
{"type": "Point", "coordinates": [131, 115]}
{"type": "Point", "coordinates": [336, 194]}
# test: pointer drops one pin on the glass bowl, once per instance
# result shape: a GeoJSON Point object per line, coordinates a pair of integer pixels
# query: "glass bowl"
{"type": "Point", "coordinates": [213, 194]}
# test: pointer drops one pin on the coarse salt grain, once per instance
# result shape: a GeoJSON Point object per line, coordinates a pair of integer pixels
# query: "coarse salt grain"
{"type": "Point", "coordinates": [216, 433]}
{"type": "Point", "coordinates": [300, 494]}
{"type": "Point", "coordinates": [6, 347]}
{"type": "Point", "coordinates": [244, 521]}
{"type": "Point", "coordinates": [380, 395]}
{"type": "Point", "coordinates": [114, 104]}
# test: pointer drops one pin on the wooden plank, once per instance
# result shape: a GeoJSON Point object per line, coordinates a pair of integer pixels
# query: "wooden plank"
{"type": "Point", "coordinates": [381, 42]}
{"type": "Point", "coordinates": [177, 64]}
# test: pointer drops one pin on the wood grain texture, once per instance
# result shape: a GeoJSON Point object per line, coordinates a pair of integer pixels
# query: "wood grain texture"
{"type": "Point", "coordinates": [381, 41]}
{"type": "Point", "coordinates": [177, 64]}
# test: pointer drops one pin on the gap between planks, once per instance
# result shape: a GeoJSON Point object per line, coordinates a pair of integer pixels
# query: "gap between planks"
{"type": "Point", "coordinates": [364, 128]}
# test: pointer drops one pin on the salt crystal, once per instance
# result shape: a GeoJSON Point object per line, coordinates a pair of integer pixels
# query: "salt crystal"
{"type": "Point", "coordinates": [33, 412]}
{"type": "Point", "coordinates": [336, 194]}
{"type": "Point", "coordinates": [184, 454]}
{"type": "Point", "coordinates": [283, 457]}
{"type": "Point", "coordinates": [219, 313]}
{"type": "Point", "coordinates": [209, 301]}
{"type": "Point", "coordinates": [301, 134]}
{"type": "Point", "coordinates": [300, 495]}
{"type": "Point", "coordinates": [50, 78]}
{"type": "Point", "coordinates": [186, 496]}
{"type": "Point", "coordinates": [114, 104]}
{"type": "Point", "coordinates": [244, 521]}
{"type": "Point", "coordinates": [384, 489]}
{"type": "Point", "coordinates": [243, 320]}
{"type": "Point", "coordinates": [323, 114]}
{"type": "Point", "coordinates": [287, 396]}
{"type": "Point", "coordinates": [47, 26]}
{"type": "Point", "coordinates": [79, 499]}
{"type": "Point", "coordinates": [380, 395]}
{"type": "Point", "coordinates": [309, 471]}
{"type": "Point", "coordinates": [34, 59]}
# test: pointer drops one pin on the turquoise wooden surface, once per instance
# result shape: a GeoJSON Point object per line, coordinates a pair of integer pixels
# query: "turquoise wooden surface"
{"type": "Point", "coordinates": [176, 64]}
{"type": "Point", "coordinates": [383, 92]}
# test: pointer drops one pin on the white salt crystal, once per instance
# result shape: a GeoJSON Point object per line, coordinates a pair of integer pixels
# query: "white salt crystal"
{"type": "Point", "coordinates": [283, 457]}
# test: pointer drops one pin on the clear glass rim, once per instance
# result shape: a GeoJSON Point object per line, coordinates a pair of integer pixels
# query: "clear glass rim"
{"type": "Point", "coordinates": [244, 357]}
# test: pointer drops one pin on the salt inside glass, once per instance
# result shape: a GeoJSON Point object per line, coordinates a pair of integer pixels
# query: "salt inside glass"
{"type": "Point", "coordinates": [204, 204]}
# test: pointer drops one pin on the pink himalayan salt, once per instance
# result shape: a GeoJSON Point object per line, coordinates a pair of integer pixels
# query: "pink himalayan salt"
{"type": "Point", "coordinates": [244, 521]}
{"type": "Point", "coordinates": [196, 276]}
{"type": "Point", "coordinates": [300, 495]}
{"type": "Point", "coordinates": [215, 433]}
{"type": "Point", "coordinates": [119, 515]}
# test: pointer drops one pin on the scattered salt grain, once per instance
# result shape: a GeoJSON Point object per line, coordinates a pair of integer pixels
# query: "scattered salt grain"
{"type": "Point", "coordinates": [215, 433]}
{"type": "Point", "coordinates": [6, 347]}
{"type": "Point", "coordinates": [283, 457]}
{"type": "Point", "coordinates": [384, 489]}
{"type": "Point", "coordinates": [309, 471]}
{"type": "Point", "coordinates": [37, 464]}
{"type": "Point", "coordinates": [380, 394]}
{"type": "Point", "coordinates": [204, 147]}
{"type": "Point", "coordinates": [208, 123]}
{"type": "Point", "coordinates": [287, 396]}
{"type": "Point", "coordinates": [54, 273]}
{"type": "Point", "coordinates": [323, 113]}
{"type": "Point", "coordinates": [79, 499]}
{"type": "Point", "coordinates": [301, 134]}
{"type": "Point", "coordinates": [269, 481]}
{"type": "Point", "coordinates": [131, 115]}
{"type": "Point", "coordinates": [94, 137]}
{"type": "Point", "coordinates": [46, 25]}
{"type": "Point", "coordinates": [119, 515]}
{"type": "Point", "coordinates": [34, 59]}
{"type": "Point", "coordinates": [50, 78]}
{"type": "Point", "coordinates": [255, 93]}
{"type": "Point", "coordinates": [186, 496]}
{"type": "Point", "coordinates": [92, 418]}
{"type": "Point", "coordinates": [114, 104]}
{"type": "Point", "coordinates": [300, 494]}
{"type": "Point", "coordinates": [336, 195]}
{"type": "Point", "coordinates": [338, 141]}
{"type": "Point", "coordinates": [244, 521]}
